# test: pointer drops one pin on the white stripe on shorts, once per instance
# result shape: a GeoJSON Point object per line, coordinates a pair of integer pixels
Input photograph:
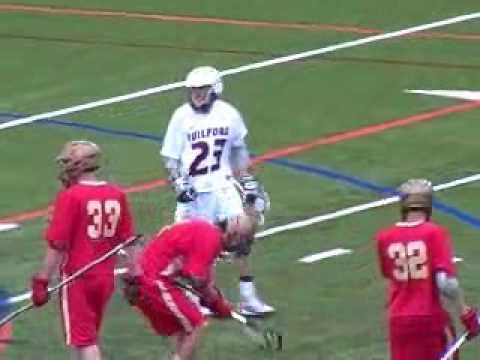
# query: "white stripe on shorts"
{"type": "Point", "coordinates": [65, 312]}
{"type": "Point", "coordinates": [167, 298]}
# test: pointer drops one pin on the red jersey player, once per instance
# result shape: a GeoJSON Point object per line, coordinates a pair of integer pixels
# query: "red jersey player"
{"type": "Point", "coordinates": [89, 218]}
{"type": "Point", "coordinates": [416, 258]}
{"type": "Point", "coordinates": [185, 252]}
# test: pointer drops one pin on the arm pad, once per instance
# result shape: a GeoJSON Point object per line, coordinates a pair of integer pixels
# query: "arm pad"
{"type": "Point", "coordinates": [448, 286]}
{"type": "Point", "coordinates": [240, 158]}
{"type": "Point", "coordinates": [173, 167]}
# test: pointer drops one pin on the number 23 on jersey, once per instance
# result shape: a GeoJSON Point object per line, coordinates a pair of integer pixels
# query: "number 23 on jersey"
{"type": "Point", "coordinates": [204, 152]}
{"type": "Point", "coordinates": [104, 218]}
{"type": "Point", "coordinates": [410, 260]}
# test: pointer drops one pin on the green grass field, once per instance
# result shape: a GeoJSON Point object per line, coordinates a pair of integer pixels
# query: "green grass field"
{"type": "Point", "coordinates": [332, 309]}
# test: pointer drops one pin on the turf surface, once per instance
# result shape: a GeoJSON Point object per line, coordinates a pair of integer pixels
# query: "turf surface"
{"type": "Point", "coordinates": [328, 310]}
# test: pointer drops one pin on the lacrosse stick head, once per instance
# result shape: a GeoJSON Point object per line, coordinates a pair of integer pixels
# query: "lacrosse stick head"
{"type": "Point", "coordinates": [273, 339]}
{"type": "Point", "coordinates": [267, 338]}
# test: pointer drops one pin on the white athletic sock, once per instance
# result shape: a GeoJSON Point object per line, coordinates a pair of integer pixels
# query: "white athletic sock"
{"type": "Point", "coordinates": [247, 289]}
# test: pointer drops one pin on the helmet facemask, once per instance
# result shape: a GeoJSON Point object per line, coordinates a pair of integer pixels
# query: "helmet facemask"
{"type": "Point", "coordinates": [201, 98]}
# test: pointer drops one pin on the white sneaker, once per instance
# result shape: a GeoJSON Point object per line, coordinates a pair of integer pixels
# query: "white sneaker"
{"type": "Point", "coordinates": [250, 303]}
{"type": "Point", "coordinates": [255, 307]}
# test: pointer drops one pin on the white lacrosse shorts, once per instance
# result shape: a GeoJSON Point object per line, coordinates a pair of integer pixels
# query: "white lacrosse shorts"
{"type": "Point", "coordinates": [213, 206]}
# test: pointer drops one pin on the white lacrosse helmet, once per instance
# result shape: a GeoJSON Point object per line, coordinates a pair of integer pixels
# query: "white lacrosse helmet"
{"type": "Point", "coordinates": [205, 76]}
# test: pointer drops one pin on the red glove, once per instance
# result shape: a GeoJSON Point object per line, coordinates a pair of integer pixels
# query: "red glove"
{"type": "Point", "coordinates": [214, 300]}
{"type": "Point", "coordinates": [40, 294]}
{"type": "Point", "coordinates": [470, 321]}
{"type": "Point", "coordinates": [221, 307]}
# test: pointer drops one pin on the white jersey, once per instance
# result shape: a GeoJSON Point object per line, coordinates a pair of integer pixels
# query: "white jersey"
{"type": "Point", "coordinates": [203, 142]}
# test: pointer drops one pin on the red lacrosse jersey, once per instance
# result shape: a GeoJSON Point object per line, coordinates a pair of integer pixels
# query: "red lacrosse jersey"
{"type": "Point", "coordinates": [89, 219]}
{"type": "Point", "coordinates": [410, 255]}
{"type": "Point", "coordinates": [186, 249]}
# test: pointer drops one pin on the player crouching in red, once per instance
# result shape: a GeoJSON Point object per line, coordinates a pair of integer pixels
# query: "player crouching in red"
{"type": "Point", "coordinates": [416, 258]}
{"type": "Point", "coordinates": [184, 253]}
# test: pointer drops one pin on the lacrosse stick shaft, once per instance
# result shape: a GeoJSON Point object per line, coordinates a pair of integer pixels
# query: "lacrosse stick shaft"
{"type": "Point", "coordinates": [72, 277]}
{"type": "Point", "coordinates": [236, 316]}
{"type": "Point", "coordinates": [239, 317]}
{"type": "Point", "coordinates": [454, 347]}
{"type": "Point", "coordinates": [251, 331]}
{"type": "Point", "coordinates": [87, 267]}
{"type": "Point", "coordinates": [15, 313]}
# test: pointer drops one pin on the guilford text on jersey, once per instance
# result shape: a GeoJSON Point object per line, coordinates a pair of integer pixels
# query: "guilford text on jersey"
{"type": "Point", "coordinates": [205, 133]}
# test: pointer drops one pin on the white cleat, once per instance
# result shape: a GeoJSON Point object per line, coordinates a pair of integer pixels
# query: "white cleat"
{"type": "Point", "coordinates": [255, 307]}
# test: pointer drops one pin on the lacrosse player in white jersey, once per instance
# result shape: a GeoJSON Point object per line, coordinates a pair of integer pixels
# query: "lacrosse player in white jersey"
{"type": "Point", "coordinates": [207, 159]}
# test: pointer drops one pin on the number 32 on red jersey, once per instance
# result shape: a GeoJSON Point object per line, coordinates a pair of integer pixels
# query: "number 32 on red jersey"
{"type": "Point", "coordinates": [410, 260]}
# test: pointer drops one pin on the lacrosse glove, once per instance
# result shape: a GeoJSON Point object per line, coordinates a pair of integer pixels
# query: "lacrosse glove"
{"type": "Point", "coordinates": [470, 321]}
{"type": "Point", "coordinates": [213, 299]}
{"type": "Point", "coordinates": [184, 190]}
{"type": "Point", "coordinates": [40, 294]}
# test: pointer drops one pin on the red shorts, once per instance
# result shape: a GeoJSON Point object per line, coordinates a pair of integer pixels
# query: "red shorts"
{"type": "Point", "coordinates": [168, 308]}
{"type": "Point", "coordinates": [83, 303]}
{"type": "Point", "coordinates": [418, 338]}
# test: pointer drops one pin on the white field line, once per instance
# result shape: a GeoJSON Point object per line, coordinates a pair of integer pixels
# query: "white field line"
{"type": "Point", "coordinates": [8, 227]}
{"type": "Point", "coordinates": [324, 255]}
{"type": "Point", "coordinates": [358, 208]}
{"type": "Point", "coordinates": [328, 254]}
{"type": "Point", "coordinates": [28, 294]}
{"type": "Point", "coordinates": [314, 220]}
{"type": "Point", "coordinates": [240, 69]}
{"type": "Point", "coordinates": [456, 94]}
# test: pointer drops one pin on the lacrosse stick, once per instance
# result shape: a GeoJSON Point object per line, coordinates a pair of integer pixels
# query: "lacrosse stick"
{"type": "Point", "coordinates": [72, 277]}
{"type": "Point", "coordinates": [454, 347]}
{"type": "Point", "coordinates": [266, 337]}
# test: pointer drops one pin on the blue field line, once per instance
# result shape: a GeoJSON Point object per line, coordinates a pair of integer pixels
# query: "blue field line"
{"type": "Point", "coordinates": [459, 214]}
{"type": "Point", "coordinates": [124, 133]}
{"type": "Point", "coordinates": [94, 128]}
{"type": "Point", "coordinates": [305, 168]}
{"type": "Point", "coordinates": [5, 306]}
